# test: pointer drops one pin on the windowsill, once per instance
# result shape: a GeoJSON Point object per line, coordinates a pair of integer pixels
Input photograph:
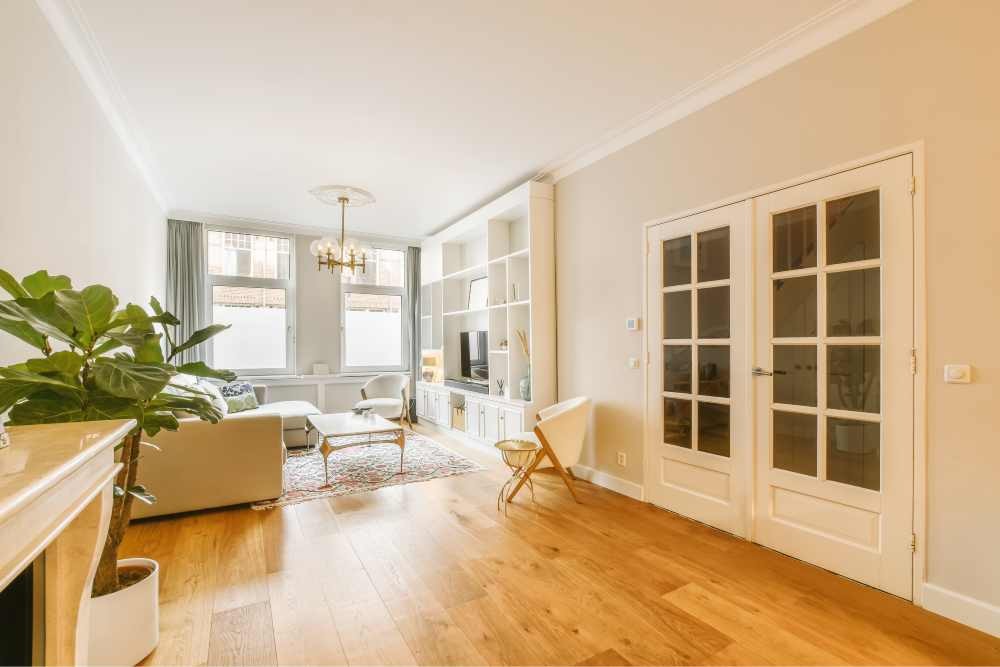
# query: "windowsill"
{"type": "Point", "coordinates": [332, 378]}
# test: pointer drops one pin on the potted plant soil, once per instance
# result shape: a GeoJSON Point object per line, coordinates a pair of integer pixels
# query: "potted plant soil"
{"type": "Point", "coordinates": [99, 361]}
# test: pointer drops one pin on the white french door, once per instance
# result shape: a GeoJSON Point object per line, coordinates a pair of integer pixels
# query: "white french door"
{"type": "Point", "coordinates": [780, 390]}
{"type": "Point", "coordinates": [698, 407]}
{"type": "Point", "coordinates": [834, 386]}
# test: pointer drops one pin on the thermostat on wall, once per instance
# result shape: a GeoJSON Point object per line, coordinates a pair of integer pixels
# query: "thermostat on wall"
{"type": "Point", "coordinates": [632, 323]}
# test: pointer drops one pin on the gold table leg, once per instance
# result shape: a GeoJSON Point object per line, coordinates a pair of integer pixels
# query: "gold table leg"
{"type": "Point", "coordinates": [401, 441]}
{"type": "Point", "coordinates": [325, 450]}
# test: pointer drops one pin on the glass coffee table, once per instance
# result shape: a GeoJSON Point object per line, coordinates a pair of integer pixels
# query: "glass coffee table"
{"type": "Point", "coordinates": [348, 425]}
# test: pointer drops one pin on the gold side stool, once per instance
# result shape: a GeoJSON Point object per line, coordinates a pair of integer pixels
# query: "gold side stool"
{"type": "Point", "coordinates": [518, 455]}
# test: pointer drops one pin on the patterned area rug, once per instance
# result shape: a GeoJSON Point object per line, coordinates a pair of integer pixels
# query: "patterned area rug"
{"type": "Point", "coordinates": [365, 468]}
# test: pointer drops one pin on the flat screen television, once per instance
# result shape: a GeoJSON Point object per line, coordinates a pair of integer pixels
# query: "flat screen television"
{"type": "Point", "coordinates": [475, 356]}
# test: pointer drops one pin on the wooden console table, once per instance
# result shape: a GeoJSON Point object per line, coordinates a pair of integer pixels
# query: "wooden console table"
{"type": "Point", "coordinates": [56, 484]}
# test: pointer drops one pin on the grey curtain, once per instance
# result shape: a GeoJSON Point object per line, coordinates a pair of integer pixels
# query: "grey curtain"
{"type": "Point", "coordinates": [413, 319]}
{"type": "Point", "coordinates": [186, 283]}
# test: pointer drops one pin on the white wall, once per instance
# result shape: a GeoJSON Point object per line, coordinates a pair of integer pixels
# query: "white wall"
{"type": "Point", "coordinates": [927, 72]}
{"type": "Point", "coordinates": [72, 200]}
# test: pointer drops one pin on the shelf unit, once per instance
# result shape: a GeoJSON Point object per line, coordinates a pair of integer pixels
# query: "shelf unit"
{"type": "Point", "coordinates": [509, 242]}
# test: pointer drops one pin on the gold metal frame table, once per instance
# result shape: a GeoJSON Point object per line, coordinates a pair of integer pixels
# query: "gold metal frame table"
{"type": "Point", "coordinates": [348, 424]}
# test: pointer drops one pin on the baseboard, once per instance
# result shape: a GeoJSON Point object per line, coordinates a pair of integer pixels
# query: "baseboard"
{"type": "Point", "coordinates": [616, 484]}
{"type": "Point", "coordinates": [962, 608]}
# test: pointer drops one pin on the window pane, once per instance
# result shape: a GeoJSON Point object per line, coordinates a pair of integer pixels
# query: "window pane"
{"type": "Point", "coordinates": [713, 370]}
{"type": "Point", "coordinates": [852, 452]}
{"type": "Point", "coordinates": [373, 330]}
{"type": "Point", "coordinates": [713, 312]}
{"type": "Point", "coordinates": [677, 315]}
{"type": "Point", "coordinates": [677, 261]}
{"type": "Point", "coordinates": [677, 422]}
{"type": "Point", "coordinates": [386, 268]}
{"type": "Point", "coordinates": [713, 255]}
{"type": "Point", "coordinates": [258, 337]}
{"type": "Point", "coordinates": [852, 228]}
{"type": "Point", "coordinates": [852, 299]}
{"type": "Point", "coordinates": [794, 239]}
{"type": "Point", "coordinates": [853, 375]}
{"type": "Point", "coordinates": [795, 442]}
{"type": "Point", "coordinates": [713, 429]}
{"type": "Point", "coordinates": [677, 368]}
{"type": "Point", "coordinates": [248, 255]}
{"type": "Point", "coordinates": [795, 374]}
{"type": "Point", "coordinates": [795, 307]}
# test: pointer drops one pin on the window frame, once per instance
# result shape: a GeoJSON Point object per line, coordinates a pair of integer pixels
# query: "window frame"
{"type": "Point", "coordinates": [216, 280]}
{"type": "Point", "coordinates": [404, 308]}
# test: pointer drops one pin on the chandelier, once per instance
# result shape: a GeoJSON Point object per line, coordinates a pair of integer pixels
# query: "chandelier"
{"type": "Point", "coordinates": [345, 255]}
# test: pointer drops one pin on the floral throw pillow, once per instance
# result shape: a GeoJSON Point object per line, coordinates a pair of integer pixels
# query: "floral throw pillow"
{"type": "Point", "coordinates": [239, 396]}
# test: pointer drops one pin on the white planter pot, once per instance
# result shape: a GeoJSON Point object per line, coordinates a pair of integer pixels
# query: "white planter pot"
{"type": "Point", "coordinates": [125, 625]}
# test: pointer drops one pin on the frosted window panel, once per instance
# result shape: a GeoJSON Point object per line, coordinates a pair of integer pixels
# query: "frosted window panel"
{"type": "Point", "coordinates": [373, 330]}
{"type": "Point", "coordinates": [258, 337]}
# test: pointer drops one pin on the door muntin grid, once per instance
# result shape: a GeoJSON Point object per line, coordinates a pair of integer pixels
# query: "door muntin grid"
{"type": "Point", "coordinates": [697, 295]}
{"type": "Point", "coordinates": [826, 345]}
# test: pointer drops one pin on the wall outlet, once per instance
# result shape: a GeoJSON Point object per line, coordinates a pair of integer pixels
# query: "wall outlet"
{"type": "Point", "coordinates": [622, 460]}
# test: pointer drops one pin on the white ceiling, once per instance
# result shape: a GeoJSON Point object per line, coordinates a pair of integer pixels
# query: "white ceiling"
{"type": "Point", "coordinates": [435, 107]}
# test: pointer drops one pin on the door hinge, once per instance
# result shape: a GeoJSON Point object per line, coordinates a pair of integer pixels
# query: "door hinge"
{"type": "Point", "coordinates": [913, 542]}
{"type": "Point", "coordinates": [913, 361]}
{"type": "Point", "coordinates": [912, 185]}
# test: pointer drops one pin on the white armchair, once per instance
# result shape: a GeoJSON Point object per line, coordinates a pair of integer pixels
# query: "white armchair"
{"type": "Point", "coordinates": [387, 396]}
{"type": "Point", "coordinates": [560, 433]}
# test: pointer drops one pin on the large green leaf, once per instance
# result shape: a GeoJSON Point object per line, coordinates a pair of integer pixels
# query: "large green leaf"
{"type": "Point", "coordinates": [23, 331]}
{"type": "Point", "coordinates": [150, 351]}
{"type": "Point", "coordinates": [11, 286]}
{"type": "Point", "coordinates": [128, 379]}
{"type": "Point", "coordinates": [65, 363]}
{"type": "Point", "coordinates": [45, 411]}
{"type": "Point", "coordinates": [44, 315]}
{"type": "Point", "coordinates": [199, 337]}
{"type": "Point", "coordinates": [104, 406]}
{"type": "Point", "coordinates": [153, 422]}
{"type": "Point", "coordinates": [164, 316]}
{"type": "Point", "coordinates": [203, 370]}
{"type": "Point", "coordinates": [24, 374]}
{"type": "Point", "coordinates": [90, 309]}
{"type": "Point", "coordinates": [12, 391]}
{"type": "Point", "coordinates": [41, 283]}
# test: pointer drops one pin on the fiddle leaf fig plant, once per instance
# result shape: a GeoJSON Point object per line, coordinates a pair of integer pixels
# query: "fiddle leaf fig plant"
{"type": "Point", "coordinates": [98, 360]}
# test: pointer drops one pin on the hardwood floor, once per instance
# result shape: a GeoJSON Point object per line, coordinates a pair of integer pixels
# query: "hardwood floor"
{"type": "Point", "coordinates": [433, 574]}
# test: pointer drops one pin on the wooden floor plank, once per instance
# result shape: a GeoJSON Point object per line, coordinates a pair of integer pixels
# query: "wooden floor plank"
{"type": "Point", "coordinates": [433, 574]}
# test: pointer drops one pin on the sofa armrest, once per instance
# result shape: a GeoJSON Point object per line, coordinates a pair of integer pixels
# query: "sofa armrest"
{"type": "Point", "coordinates": [262, 393]}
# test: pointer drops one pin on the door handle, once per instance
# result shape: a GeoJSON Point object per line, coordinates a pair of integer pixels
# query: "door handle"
{"type": "Point", "coordinates": [757, 370]}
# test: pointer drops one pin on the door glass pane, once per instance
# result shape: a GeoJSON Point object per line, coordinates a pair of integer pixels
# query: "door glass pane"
{"type": "Point", "coordinates": [713, 255]}
{"type": "Point", "coordinates": [853, 377]}
{"type": "Point", "coordinates": [677, 368]}
{"type": "Point", "coordinates": [794, 442]}
{"type": "Point", "coordinates": [713, 312]}
{"type": "Point", "coordinates": [852, 228]}
{"type": "Point", "coordinates": [258, 338]}
{"type": "Point", "coordinates": [795, 307]}
{"type": "Point", "coordinates": [713, 428]}
{"type": "Point", "coordinates": [677, 422]}
{"type": "Point", "coordinates": [794, 239]}
{"type": "Point", "coordinates": [713, 370]}
{"type": "Point", "coordinates": [795, 374]}
{"type": "Point", "coordinates": [852, 452]}
{"type": "Point", "coordinates": [852, 299]}
{"type": "Point", "coordinates": [677, 315]}
{"type": "Point", "coordinates": [677, 261]}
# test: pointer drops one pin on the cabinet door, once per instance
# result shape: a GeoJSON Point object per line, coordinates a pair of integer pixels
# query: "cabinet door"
{"type": "Point", "coordinates": [511, 422]}
{"type": "Point", "coordinates": [444, 409]}
{"type": "Point", "coordinates": [473, 412]}
{"type": "Point", "coordinates": [421, 402]}
{"type": "Point", "coordinates": [490, 428]}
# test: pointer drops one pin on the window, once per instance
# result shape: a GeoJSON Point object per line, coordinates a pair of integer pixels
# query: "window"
{"type": "Point", "coordinates": [373, 314]}
{"type": "Point", "coordinates": [250, 287]}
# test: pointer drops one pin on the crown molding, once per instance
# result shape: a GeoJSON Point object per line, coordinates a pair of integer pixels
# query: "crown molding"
{"type": "Point", "coordinates": [257, 224]}
{"type": "Point", "coordinates": [836, 22]}
{"type": "Point", "coordinates": [67, 20]}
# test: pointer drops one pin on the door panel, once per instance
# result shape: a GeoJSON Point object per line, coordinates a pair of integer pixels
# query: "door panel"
{"type": "Point", "coordinates": [834, 422]}
{"type": "Point", "coordinates": [699, 454]}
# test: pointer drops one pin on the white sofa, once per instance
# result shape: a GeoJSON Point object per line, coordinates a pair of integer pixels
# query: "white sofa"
{"type": "Point", "coordinates": [238, 460]}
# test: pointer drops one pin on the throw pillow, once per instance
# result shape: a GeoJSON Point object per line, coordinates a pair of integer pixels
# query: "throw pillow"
{"type": "Point", "coordinates": [239, 396]}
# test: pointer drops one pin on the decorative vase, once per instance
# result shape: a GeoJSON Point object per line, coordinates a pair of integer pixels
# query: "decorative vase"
{"type": "Point", "coordinates": [525, 386]}
{"type": "Point", "coordinates": [125, 625]}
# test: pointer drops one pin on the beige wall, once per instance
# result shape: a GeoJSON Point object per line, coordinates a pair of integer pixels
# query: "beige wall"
{"type": "Point", "coordinates": [317, 311]}
{"type": "Point", "coordinates": [928, 72]}
{"type": "Point", "coordinates": [71, 200]}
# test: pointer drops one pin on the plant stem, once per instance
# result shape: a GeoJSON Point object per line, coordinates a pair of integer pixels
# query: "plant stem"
{"type": "Point", "coordinates": [106, 578]}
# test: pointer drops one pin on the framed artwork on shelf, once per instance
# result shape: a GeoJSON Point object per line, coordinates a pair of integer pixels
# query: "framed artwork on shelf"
{"type": "Point", "coordinates": [478, 293]}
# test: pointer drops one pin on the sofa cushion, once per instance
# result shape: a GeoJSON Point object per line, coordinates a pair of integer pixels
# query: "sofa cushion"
{"type": "Point", "coordinates": [387, 408]}
{"type": "Point", "coordinates": [293, 413]}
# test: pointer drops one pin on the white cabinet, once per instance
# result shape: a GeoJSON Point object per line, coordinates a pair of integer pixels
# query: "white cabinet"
{"type": "Point", "coordinates": [490, 428]}
{"type": "Point", "coordinates": [442, 408]}
{"type": "Point", "coordinates": [487, 418]}
{"type": "Point", "coordinates": [511, 421]}
{"type": "Point", "coordinates": [421, 402]}
{"type": "Point", "coordinates": [473, 417]}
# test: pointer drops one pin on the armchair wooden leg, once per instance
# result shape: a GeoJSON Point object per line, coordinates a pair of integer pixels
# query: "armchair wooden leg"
{"type": "Point", "coordinates": [566, 475]}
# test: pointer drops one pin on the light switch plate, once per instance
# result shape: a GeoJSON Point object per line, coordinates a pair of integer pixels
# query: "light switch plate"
{"type": "Point", "coordinates": [633, 362]}
{"type": "Point", "coordinates": [632, 323]}
{"type": "Point", "coordinates": [958, 374]}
